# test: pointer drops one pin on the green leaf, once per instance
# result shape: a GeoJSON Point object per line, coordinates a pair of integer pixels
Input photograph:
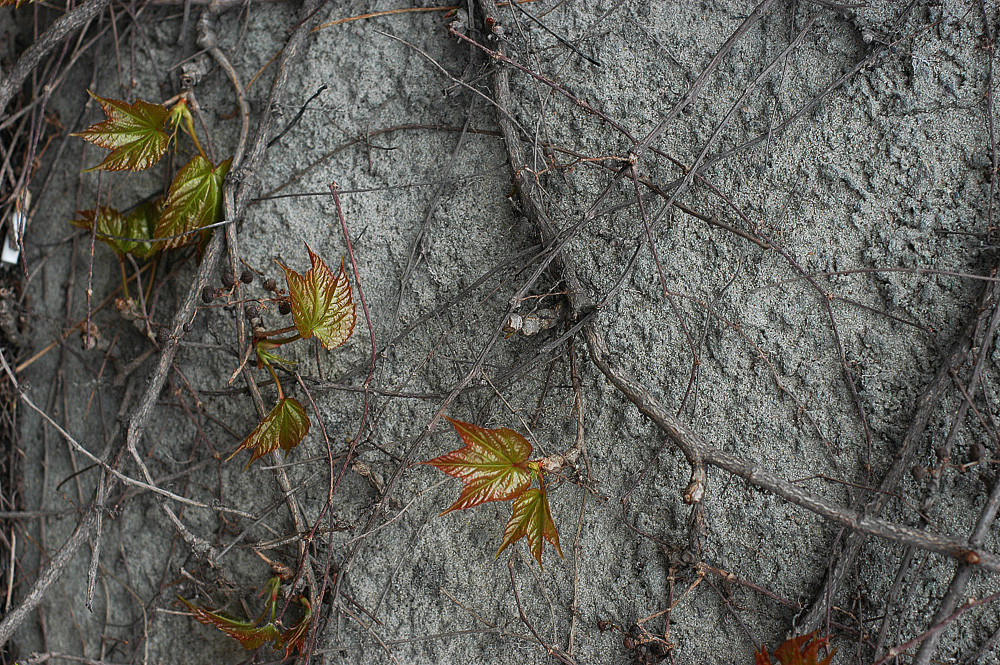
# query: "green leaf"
{"type": "Point", "coordinates": [322, 304]}
{"type": "Point", "coordinates": [141, 223]}
{"type": "Point", "coordinates": [247, 633]}
{"type": "Point", "coordinates": [193, 201]}
{"type": "Point", "coordinates": [493, 464]}
{"type": "Point", "coordinates": [531, 517]}
{"type": "Point", "coordinates": [109, 222]}
{"type": "Point", "coordinates": [284, 427]}
{"type": "Point", "coordinates": [265, 355]}
{"type": "Point", "coordinates": [133, 133]}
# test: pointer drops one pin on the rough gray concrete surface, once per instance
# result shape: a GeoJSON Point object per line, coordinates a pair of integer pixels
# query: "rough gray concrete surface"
{"type": "Point", "coordinates": [889, 172]}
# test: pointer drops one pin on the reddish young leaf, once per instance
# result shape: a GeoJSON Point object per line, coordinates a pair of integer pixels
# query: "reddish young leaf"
{"type": "Point", "coordinates": [285, 426]}
{"type": "Point", "coordinates": [193, 201]}
{"type": "Point", "coordinates": [803, 650]}
{"type": "Point", "coordinates": [248, 634]}
{"type": "Point", "coordinates": [322, 304]}
{"type": "Point", "coordinates": [493, 464]}
{"type": "Point", "coordinates": [295, 637]}
{"type": "Point", "coordinates": [133, 133]}
{"type": "Point", "coordinates": [531, 517]}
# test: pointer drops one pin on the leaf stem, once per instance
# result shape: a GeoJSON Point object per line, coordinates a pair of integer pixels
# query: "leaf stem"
{"type": "Point", "coordinates": [274, 375]}
{"type": "Point", "coordinates": [280, 331]}
{"type": "Point", "coordinates": [121, 265]}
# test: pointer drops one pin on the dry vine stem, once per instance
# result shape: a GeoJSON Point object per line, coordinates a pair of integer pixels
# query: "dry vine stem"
{"type": "Point", "coordinates": [697, 451]}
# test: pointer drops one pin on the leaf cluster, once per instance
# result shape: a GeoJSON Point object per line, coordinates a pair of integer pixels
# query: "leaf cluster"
{"type": "Point", "coordinates": [137, 137]}
{"type": "Point", "coordinates": [494, 465]}
{"type": "Point", "coordinates": [321, 305]}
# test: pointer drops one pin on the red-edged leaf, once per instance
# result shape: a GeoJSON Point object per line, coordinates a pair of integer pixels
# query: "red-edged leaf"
{"type": "Point", "coordinates": [248, 634]}
{"type": "Point", "coordinates": [284, 427]}
{"type": "Point", "coordinates": [531, 517]}
{"type": "Point", "coordinates": [133, 133]}
{"type": "Point", "coordinates": [803, 650]}
{"type": "Point", "coordinates": [760, 657]}
{"type": "Point", "coordinates": [295, 637]}
{"type": "Point", "coordinates": [322, 304]}
{"type": "Point", "coordinates": [493, 464]}
{"type": "Point", "coordinates": [194, 201]}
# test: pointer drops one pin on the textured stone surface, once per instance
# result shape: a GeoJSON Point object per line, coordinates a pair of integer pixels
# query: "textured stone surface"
{"type": "Point", "coordinates": [888, 172]}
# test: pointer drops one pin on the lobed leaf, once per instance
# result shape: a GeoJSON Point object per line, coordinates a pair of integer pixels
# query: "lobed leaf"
{"type": "Point", "coordinates": [322, 304]}
{"type": "Point", "coordinates": [134, 133]}
{"type": "Point", "coordinates": [285, 427]}
{"type": "Point", "coordinates": [802, 650]}
{"type": "Point", "coordinates": [193, 201]}
{"type": "Point", "coordinates": [493, 464]}
{"type": "Point", "coordinates": [531, 517]}
{"type": "Point", "coordinates": [247, 633]}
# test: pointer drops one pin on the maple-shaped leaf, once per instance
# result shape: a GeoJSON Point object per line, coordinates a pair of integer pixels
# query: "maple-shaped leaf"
{"type": "Point", "coordinates": [284, 427]}
{"type": "Point", "coordinates": [803, 650]}
{"type": "Point", "coordinates": [493, 464]}
{"type": "Point", "coordinates": [193, 201]}
{"type": "Point", "coordinates": [295, 637]}
{"type": "Point", "coordinates": [531, 517]}
{"type": "Point", "coordinates": [247, 633]}
{"type": "Point", "coordinates": [134, 133]}
{"type": "Point", "coordinates": [322, 304]}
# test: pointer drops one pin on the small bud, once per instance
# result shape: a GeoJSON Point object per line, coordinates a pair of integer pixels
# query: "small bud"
{"type": "Point", "coordinates": [246, 276]}
{"type": "Point", "coordinates": [207, 295]}
{"type": "Point", "coordinates": [941, 452]}
{"type": "Point", "coordinates": [162, 335]}
{"type": "Point", "coordinates": [918, 472]}
{"type": "Point", "coordinates": [269, 285]}
{"type": "Point", "coordinates": [252, 311]}
{"type": "Point", "coordinates": [228, 279]}
{"type": "Point", "coordinates": [188, 327]}
{"type": "Point", "coordinates": [284, 308]}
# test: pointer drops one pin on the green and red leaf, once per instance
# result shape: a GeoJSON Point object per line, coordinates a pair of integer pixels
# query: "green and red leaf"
{"type": "Point", "coordinates": [322, 304]}
{"type": "Point", "coordinates": [803, 650]}
{"type": "Point", "coordinates": [266, 356]}
{"type": "Point", "coordinates": [193, 201]}
{"type": "Point", "coordinates": [134, 133]}
{"type": "Point", "coordinates": [531, 517]}
{"type": "Point", "coordinates": [111, 225]}
{"type": "Point", "coordinates": [493, 464]}
{"type": "Point", "coordinates": [284, 428]}
{"type": "Point", "coordinates": [247, 633]}
{"type": "Point", "coordinates": [295, 637]}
